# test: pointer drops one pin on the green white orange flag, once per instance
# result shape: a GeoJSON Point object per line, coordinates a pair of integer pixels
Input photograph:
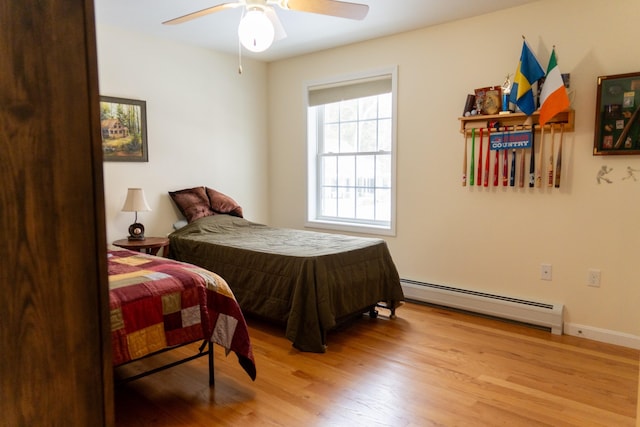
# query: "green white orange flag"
{"type": "Point", "coordinates": [553, 97]}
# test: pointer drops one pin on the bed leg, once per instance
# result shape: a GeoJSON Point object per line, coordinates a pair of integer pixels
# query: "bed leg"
{"type": "Point", "coordinates": [391, 306]}
{"type": "Point", "coordinates": [212, 379]}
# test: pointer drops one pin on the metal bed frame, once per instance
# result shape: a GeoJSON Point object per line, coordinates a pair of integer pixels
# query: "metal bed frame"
{"type": "Point", "coordinates": [205, 349]}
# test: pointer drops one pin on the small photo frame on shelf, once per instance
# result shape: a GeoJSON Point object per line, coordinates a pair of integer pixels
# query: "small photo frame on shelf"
{"type": "Point", "coordinates": [617, 129]}
{"type": "Point", "coordinates": [123, 127]}
{"type": "Point", "coordinates": [489, 100]}
{"type": "Point", "coordinates": [470, 106]}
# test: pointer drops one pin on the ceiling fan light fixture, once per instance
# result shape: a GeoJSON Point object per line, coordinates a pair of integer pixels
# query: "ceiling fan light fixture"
{"type": "Point", "coordinates": [256, 31]}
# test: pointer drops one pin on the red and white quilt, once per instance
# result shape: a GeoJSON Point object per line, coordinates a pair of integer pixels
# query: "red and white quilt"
{"type": "Point", "coordinates": [157, 303]}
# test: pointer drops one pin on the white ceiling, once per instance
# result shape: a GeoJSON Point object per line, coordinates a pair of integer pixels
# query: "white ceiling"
{"type": "Point", "coordinates": [306, 32]}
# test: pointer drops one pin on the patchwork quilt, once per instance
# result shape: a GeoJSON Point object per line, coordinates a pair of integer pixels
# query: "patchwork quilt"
{"type": "Point", "coordinates": [157, 303]}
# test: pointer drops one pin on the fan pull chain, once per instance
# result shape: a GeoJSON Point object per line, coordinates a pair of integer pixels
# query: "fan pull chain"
{"type": "Point", "coordinates": [239, 57]}
{"type": "Point", "coordinates": [240, 48]}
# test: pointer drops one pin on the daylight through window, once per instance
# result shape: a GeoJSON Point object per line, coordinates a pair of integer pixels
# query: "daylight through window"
{"type": "Point", "coordinates": [352, 153]}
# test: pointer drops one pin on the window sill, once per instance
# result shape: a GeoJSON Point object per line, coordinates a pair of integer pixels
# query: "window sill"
{"type": "Point", "coordinates": [351, 228]}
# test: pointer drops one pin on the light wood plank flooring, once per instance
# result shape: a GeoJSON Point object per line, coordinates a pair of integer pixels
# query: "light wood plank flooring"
{"type": "Point", "coordinates": [428, 367]}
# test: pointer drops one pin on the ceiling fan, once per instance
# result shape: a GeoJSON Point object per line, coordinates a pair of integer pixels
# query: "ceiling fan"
{"type": "Point", "coordinates": [260, 25]}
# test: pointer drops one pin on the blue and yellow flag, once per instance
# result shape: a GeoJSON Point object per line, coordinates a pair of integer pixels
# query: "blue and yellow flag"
{"type": "Point", "coordinates": [529, 71]}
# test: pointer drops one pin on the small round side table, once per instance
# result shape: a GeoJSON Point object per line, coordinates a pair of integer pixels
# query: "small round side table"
{"type": "Point", "coordinates": [150, 245]}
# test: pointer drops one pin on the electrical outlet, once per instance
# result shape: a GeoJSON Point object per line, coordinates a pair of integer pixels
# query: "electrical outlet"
{"type": "Point", "coordinates": [545, 271]}
{"type": "Point", "coordinates": [593, 277]}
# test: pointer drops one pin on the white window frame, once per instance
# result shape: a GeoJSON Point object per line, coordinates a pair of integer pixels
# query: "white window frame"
{"type": "Point", "coordinates": [312, 168]}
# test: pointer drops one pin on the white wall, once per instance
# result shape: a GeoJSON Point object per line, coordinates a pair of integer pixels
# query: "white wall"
{"type": "Point", "coordinates": [491, 239]}
{"type": "Point", "coordinates": [206, 126]}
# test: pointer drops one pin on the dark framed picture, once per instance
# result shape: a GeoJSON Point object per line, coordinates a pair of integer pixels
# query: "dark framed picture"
{"type": "Point", "coordinates": [617, 115]}
{"type": "Point", "coordinates": [123, 126]}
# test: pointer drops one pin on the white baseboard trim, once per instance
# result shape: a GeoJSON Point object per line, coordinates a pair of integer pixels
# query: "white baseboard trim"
{"type": "Point", "coordinates": [602, 335]}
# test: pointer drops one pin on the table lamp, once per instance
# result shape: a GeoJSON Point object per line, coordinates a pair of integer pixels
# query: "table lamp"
{"type": "Point", "coordinates": [135, 202]}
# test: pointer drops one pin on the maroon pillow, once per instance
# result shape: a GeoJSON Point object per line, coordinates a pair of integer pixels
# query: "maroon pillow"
{"type": "Point", "coordinates": [223, 204]}
{"type": "Point", "coordinates": [192, 202]}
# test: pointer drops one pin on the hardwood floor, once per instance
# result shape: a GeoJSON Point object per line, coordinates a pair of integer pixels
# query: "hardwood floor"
{"type": "Point", "coordinates": [428, 367]}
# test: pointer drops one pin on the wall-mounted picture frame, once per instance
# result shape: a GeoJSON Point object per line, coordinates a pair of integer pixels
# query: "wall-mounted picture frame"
{"type": "Point", "coordinates": [617, 129]}
{"type": "Point", "coordinates": [123, 127]}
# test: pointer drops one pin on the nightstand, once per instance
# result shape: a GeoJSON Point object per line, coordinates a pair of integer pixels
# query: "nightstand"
{"type": "Point", "coordinates": [150, 245]}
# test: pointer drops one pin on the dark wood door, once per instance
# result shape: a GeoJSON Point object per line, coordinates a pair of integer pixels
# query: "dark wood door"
{"type": "Point", "coordinates": [55, 363]}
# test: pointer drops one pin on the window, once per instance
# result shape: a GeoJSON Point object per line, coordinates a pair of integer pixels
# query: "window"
{"type": "Point", "coordinates": [351, 153]}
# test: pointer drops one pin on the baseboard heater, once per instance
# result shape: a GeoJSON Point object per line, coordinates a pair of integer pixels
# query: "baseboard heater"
{"type": "Point", "coordinates": [531, 312]}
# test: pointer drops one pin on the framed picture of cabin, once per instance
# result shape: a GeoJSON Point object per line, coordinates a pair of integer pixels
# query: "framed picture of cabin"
{"type": "Point", "coordinates": [123, 127]}
{"type": "Point", "coordinates": [617, 115]}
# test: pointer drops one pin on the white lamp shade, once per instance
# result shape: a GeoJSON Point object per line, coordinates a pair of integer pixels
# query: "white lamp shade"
{"type": "Point", "coordinates": [256, 31]}
{"type": "Point", "coordinates": [135, 201]}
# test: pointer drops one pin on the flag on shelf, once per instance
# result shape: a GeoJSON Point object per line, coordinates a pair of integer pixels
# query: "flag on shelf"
{"type": "Point", "coordinates": [529, 71]}
{"type": "Point", "coordinates": [553, 97]}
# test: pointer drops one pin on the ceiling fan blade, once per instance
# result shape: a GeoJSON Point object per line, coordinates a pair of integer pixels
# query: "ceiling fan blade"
{"type": "Point", "coordinates": [203, 12]}
{"type": "Point", "coordinates": [280, 33]}
{"type": "Point", "coordinates": [340, 9]}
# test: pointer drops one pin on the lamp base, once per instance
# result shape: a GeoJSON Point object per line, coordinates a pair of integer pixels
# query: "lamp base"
{"type": "Point", "coordinates": [136, 231]}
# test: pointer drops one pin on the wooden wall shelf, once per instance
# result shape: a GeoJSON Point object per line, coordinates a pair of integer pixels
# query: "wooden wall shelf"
{"type": "Point", "coordinates": [519, 120]}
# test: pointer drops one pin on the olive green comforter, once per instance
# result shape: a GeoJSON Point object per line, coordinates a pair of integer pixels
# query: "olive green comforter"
{"type": "Point", "coordinates": [305, 280]}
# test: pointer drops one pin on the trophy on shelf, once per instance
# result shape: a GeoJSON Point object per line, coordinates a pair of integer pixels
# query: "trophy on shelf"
{"type": "Point", "coordinates": [479, 102]}
{"type": "Point", "coordinates": [506, 91]}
